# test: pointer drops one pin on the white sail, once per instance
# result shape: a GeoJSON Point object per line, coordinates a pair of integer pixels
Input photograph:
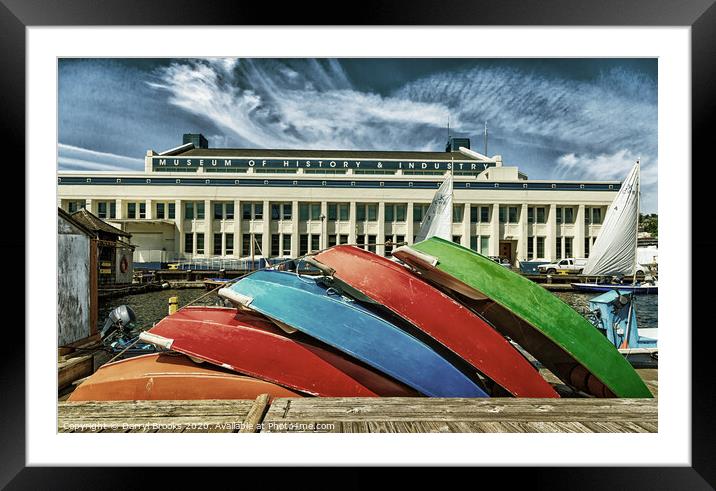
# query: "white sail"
{"type": "Point", "coordinates": [438, 220]}
{"type": "Point", "coordinates": [614, 251]}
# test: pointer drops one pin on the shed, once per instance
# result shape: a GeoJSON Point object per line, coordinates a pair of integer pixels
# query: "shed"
{"type": "Point", "coordinates": [77, 302]}
{"type": "Point", "coordinates": [115, 252]}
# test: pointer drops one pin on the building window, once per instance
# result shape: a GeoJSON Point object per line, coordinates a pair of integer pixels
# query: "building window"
{"type": "Point", "coordinates": [371, 243]}
{"type": "Point", "coordinates": [530, 215]}
{"type": "Point", "coordinates": [569, 216]}
{"type": "Point", "coordinates": [252, 211]}
{"type": "Point", "coordinates": [229, 244]}
{"type": "Point", "coordinates": [315, 242]}
{"type": "Point", "coordinates": [286, 244]}
{"type": "Point", "coordinates": [473, 243]}
{"type": "Point", "coordinates": [484, 245]}
{"type": "Point", "coordinates": [217, 244]}
{"type": "Point", "coordinates": [275, 245]}
{"type": "Point", "coordinates": [74, 206]}
{"type": "Point", "coordinates": [558, 242]}
{"type": "Point", "coordinates": [360, 241]}
{"type": "Point", "coordinates": [512, 214]}
{"type": "Point", "coordinates": [456, 238]}
{"type": "Point", "coordinates": [540, 247]}
{"type": "Point", "coordinates": [568, 246]}
{"type": "Point", "coordinates": [474, 217]}
{"type": "Point", "coordinates": [541, 215]}
{"type": "Point", "coordinates": [189, 243]}
{"type": "Point", "coordinates": [171, 208]}
{"type": "Point", "coordinates": [280, 211]}
{"type": "Point", "coordinates": [258, 244]}
{"type": "Point", "coordinates": [303, 245]}
{"type": "Point", "coordinates": [372, 210]}
{"type": "Point", "coordinates": [229, 211]}
{"type": "Point", "coordinates": [338, 211]}
{"type": "Point", "coordinates": [332, 238]}
{"type": "Point", "coordinates": [218, 211]}
{"type": "Point", "coordinates": [160, 210]}
{"type": "Point", "coordinates": [587, 215]}
{"type": "Point", "coordinates": [366, 211]}
{"type": "Point", "coordinates": [503, 214]}
{"type": "Point", "coordinates": [596, 215]}
{"type": "Point", "coordinates": [142, 210]}
{"type": "Point", "coordinates": [586, 246]}
{"type": "Point", "coordinates": [200, 243]}
{"type": "Point", "coordinates": [484, 214]}
{"type": "Point", "coordinates": [559, 217]}
{"type": "Point", "coordinates": [309, 211]}
{"type": "Point", "coordinates": [457, 213]}
{"type": "Point", "coordinates": [102, 209]}
{"type": "Point", "coordinates": [189, 210]}
{"type": "Point", "coordinates": [396, 239]}
{"type": "Point", "coordinates": [246, 244]}
{"type": "Point", "coordinates": [419, 211]}
{"type": "Point", "coordinates": [530, 248]}
{"type": "Point", "coordinates": [131, 210]}
{"type": "Point", "coordinates": [395, 212]}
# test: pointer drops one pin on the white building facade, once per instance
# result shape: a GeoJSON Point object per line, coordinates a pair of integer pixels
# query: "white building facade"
{"type": "Point", "coordinates": [199, 202]}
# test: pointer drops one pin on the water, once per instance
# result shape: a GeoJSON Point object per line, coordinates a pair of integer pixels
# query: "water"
{"type": "Point", "coordinates": [647, 306]}
{"type": "Point", "coordinates": [154, 306]}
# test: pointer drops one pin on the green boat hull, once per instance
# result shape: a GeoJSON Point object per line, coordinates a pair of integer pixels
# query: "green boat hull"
{"type": "Point", "coordinates": [546, 327]}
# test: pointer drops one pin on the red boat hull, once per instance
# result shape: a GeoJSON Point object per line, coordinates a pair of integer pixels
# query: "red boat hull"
{"type": "Point", "coordinates": [170, 376]}
{"type": "Point", "coordinates": [253, 345]}
{"type": "Point", "coordinates": [439, 316]}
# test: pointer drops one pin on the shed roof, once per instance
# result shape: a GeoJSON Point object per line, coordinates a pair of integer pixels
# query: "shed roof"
{"type": "Point", "coordinates": [96, 224]}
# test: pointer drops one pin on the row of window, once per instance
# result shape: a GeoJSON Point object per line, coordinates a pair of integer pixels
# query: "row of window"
{"type": "Point", "coordinates": [336, 211]}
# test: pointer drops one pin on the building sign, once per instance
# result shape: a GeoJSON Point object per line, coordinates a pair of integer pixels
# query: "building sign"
{"type": "Point", "coordinates": [167, 163]}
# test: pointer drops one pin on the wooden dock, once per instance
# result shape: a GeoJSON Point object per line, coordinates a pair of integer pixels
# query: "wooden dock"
{"type": "Point", "coordinates": [363, 415]}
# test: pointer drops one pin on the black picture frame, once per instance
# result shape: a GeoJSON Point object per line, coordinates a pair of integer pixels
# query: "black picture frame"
{"type": "Point", "coordinates": [700, 15]}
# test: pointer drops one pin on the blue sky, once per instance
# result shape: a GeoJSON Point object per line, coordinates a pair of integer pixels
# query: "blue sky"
{"type": "Point", "coordinates": [554, 118]}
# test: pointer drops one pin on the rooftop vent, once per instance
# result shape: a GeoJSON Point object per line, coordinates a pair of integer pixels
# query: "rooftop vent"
{"type": "Point", "coordinates": [454, 144]}
{"type": "Point", "coordinates": [197, 139]}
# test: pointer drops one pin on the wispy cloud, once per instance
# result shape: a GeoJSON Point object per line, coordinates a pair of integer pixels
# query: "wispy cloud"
{"type": "Point", "coordinates": [70, 157]}
{"type": "Point", "coordinates": [274, 105]}
{"type": "Point", "coordinates": [548, 124]}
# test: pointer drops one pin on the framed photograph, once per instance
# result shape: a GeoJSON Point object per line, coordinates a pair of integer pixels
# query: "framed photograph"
{"type": "Point", "coordinates": [336, 134]}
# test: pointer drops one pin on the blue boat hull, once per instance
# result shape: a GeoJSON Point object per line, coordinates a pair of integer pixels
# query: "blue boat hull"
{"type": "Point", "coordinates": [306, 305]}
{"type": "Point", "coordinates": [596, 287]}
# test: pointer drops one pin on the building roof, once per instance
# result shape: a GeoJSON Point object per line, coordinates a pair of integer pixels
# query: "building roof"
{"type": "Point", "coordinates": [97, 224]}
{"type": "Point", "coordinates": [80, 225]}
{"type": "Point", "coordinates": [317, 154]}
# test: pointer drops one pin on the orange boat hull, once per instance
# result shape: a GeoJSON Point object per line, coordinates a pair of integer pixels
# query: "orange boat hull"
{"type": "Point", "coordinates": [165, 376]}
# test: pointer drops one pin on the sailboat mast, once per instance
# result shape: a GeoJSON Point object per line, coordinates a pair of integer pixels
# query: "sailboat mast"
{"type": "Point", "coordinates": [638, 208]}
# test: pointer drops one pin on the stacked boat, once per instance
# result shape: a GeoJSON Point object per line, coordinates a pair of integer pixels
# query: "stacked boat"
{"type": "Point", "coordinates": [437, 320]}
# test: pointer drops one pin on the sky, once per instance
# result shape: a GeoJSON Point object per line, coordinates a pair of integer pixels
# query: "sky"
{"type": "Point", "coordinates": [560, 118]}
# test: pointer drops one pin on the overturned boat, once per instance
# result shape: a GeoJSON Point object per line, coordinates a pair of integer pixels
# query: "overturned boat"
{"type": "Point", "coordinates": [543, 325]}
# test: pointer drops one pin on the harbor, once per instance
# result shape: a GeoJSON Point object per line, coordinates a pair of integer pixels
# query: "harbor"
{"type": "Point", "coordinates": [339, 290]}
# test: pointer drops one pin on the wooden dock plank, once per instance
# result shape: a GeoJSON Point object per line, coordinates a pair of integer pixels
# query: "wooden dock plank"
{"type": "Point", "coordinates": [431, 415]}
{"type": "Point", "coordinates": [364, 415]}
{"type": "Point", "coordinates": [153, 416]}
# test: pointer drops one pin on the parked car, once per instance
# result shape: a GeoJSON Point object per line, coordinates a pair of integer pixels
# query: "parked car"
{"type": "Point", "coordinates": [570, 264]}
{"type": "Point", "coordinates": [502, 261]}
